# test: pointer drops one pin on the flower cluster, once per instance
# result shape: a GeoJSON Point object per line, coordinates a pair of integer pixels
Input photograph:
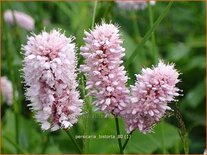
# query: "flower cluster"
{"type": "Point", "coordinates": [23, 20]}
{"type": "Point", "coordinates": [6, 89]}
{"type": "Point", "coordinates": [153, 90]}
{"type": "Point", "coordinates": [106, 76]}
{"type": "Point", "coordinates": [134, 5]}
{"type": "Point", "coordinates": [50, 75]}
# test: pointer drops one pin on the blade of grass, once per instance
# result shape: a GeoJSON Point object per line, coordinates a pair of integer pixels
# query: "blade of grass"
{"type": "Point", "coordinates": [151, 20]}
{"type": "Point", "coordinates": [149, 33]}
{"type": "Point", "coordinates": [135, 26]}
{"type": "Point", "coordinates": [94, 14]}
{"type": "Point", "coordinates": [108, 11]}
{"type": "Point", "coordinates": [63, 8]}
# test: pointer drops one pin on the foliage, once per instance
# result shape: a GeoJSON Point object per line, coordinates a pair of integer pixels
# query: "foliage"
{"type": "Point", "coordinates": [180, 38]}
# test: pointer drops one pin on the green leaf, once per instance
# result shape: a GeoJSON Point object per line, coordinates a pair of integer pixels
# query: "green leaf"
{"type": "Point", "coordinates": [197, 94]}
{"type": "Point", "coordinates": [149, 143]}
{"type": "Point", "coordinates": [178, 51]}
{"type": "Point", "coordinates": [105, 137]}
{"type": "Point", "coordinates": [165, 135]}
{"type": "Point", "coordinates": [28, 135]}
{"type": "Point", "coordinates": [53, 149]}
{"type": "Point", "coordinates": [198, 62]}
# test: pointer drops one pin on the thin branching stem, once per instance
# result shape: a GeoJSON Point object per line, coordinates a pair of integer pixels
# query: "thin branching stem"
{"type": "Point", "coordinates": [127, 140]}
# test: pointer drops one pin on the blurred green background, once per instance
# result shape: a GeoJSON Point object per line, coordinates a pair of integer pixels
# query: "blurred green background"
{"type": "Point", "coordinates": [180, 38]}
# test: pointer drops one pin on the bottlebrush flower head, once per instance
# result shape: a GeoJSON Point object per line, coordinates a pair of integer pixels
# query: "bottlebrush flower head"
{"type": "Point", "coordinates": [134, 4]}
{"type": "Point", "coordinates": [153, 90]}
{"type": "Point", "coordinates": [22, 19]}
{"type": "Point", "coordinates": [6, 89]}
{"type": "Point", "coordinates": [106, 76]}
{"type": "Point", "coordinates": [50, 75]}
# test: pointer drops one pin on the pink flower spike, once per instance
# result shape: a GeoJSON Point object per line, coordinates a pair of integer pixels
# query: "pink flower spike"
{"type": "Point", "coordinates": [106, 76]}
{"type": "Point", "coordinates": [6, 90]}
{"type": "Point", "coordinates": [22, 19]}
{"type": "Point", "coordinates": [154, 89]}
{"type": "Point", "coordinates": [50, 75]}
{"type": "Point", "coordinates": [134, 4]}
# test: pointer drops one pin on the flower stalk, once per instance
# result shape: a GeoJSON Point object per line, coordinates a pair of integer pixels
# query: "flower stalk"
{"type": "Point", "coordinates": [74, 141]}
{"type": "Point", "coordinates": [118, 134]}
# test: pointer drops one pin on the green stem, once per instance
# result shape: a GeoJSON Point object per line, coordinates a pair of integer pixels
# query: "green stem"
{"type": "Point", "coordinates": [164, 151]}
{"type": "Point", "coordinates": [118, 133]}
{"type": "Point", "coordinates": [74, 141]}
{"type": "Point", "coordinates": [107, 11]}
{"type": "Point", "coordinates": [88, 125]}
{"type": "Point", "coordinates": [17, 128]}
{"type": "Point", "coordinates": [15, 104]}
{"type": "Point", "coordinates": [45, 143]}
{"type": "Point", "coordinates": [127, 140]}
{"type": "Point", "coordinates": [16, 32]}
{"type": "Point", "coordinates": [148, 34]}
{"type": "Point", "coordinates": [87, 99]}
{"type": "Point", "coordinates": [135, 26]}
{"type": "Point", "coordinates": [83, 92]}
{"type": "Point", "coordinates": [94, 13]}
{"type": "Point", "coordinates": [151, 20]}
{"type": "Point", "coordinates": [182, 130]}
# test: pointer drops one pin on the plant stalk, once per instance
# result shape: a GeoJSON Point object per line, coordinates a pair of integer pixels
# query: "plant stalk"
{"type": "Point", "coordinates": [127, 140]}
{"type": "Point", "coordinates": [148, 34]}
{"type": "Point", "coordinates": [15, 104]}
{"type": "Point", "coordinates": [74, 141]}
{"type": "Point", "coordinates": [118, 133]}
{"type": "Point", "coordinates": [151, 20]}
{"type": "Point", "coordinates": [94, 14]}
